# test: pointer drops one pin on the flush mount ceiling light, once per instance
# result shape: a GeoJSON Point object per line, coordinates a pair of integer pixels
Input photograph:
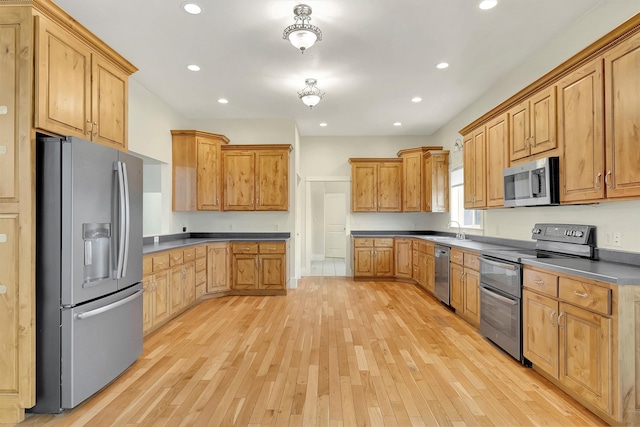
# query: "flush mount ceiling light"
{"type": "Point", "coordinates": [310, 95]}
{"type": "Point", "coordinates": [191, 8]}
{"type": "Point", "coordinates": [487, 4]}
{"type": "Point", "coordinates": [302, 35]}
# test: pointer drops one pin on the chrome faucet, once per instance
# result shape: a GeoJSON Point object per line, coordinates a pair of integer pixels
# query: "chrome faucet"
{"type": "Point", "coordinates": [459, 234]}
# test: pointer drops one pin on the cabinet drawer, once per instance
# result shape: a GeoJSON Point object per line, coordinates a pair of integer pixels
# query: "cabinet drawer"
{"type": "Point", "coordinates": [201, 264]}
{"type": "Point", "coordinates": [430, 248]}
{"type": "Point", "coordinates": [538, 281]}
{"type": "Point", "coordinates": [272, 248]}
{"type": "Point", "coordinates": [587, 295]}
{"type": "Point", "coordinates": [201, 277]}
{"type": "Point", "coordinates": [201, 251]}
{"type": "Point", "coordinates": [189, 254]}
{"type": "Point", "coordinates": [456, 256]}
{"type": "Point", "coordinates": [160, 262]}
{"type": "Point", "coordinates": [471, 261]}
{"type": "Point", "coordinates": [147, 265]}
{"type": "Point", "coordinates": [245, 248]}
{"type": "Point", "coordinates": [176, 257]}
{"type": "Point", "coordinates": [363, 243]}
{"type": "Point", "coordinates": [383, 243]}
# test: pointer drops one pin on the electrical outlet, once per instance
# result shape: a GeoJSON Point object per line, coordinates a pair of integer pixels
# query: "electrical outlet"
{"type": "Point", "coordinates": [617, 239]}
{"type": "Point", "coordinates": [156, 239]}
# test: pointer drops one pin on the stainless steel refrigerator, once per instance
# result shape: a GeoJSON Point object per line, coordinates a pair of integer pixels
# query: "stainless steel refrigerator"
{"type": "Point", "coordinates": [88, 269]}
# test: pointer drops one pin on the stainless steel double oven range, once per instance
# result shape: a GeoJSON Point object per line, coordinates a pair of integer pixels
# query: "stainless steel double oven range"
{"type": "Point", "coordinates": [501, 279]}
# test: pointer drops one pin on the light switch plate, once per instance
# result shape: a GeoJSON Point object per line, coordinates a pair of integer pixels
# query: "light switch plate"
{"type": "Point", "coordinates": [3, 109]}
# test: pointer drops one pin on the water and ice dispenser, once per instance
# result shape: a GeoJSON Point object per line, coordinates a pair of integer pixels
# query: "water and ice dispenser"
{"type": "Point", "coordinates": [97, 250]}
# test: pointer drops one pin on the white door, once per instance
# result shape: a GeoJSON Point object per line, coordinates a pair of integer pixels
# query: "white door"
{"type": "Point", "coordinates": [335, 214]}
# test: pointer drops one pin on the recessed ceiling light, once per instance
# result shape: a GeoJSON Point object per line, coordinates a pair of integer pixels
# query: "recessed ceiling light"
{"type": "Point", "coordinates": [442, 65]}
{"type": "Point", "coordinates": [191, 8]}
{"type": "Point", "coordinates": [323, 124]}
{"type": "Point", "coordinates": [487, 4]}
{"type": "Point", "coordinates": [397, 124]}
{"type": "Point", "coordinates": [193, 67]}
{"type": "Point", "coordinates": [223, 101]}
{"type": "Point", "coordinates": [416, 99]}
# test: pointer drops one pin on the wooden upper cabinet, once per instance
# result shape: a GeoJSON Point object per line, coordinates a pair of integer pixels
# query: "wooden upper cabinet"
{"type": "Point", "coordinates": [256, 177]}
{"type": "Point", "coordinates": [435, 191]}
{"type": "Point", "coordinates": [580, 134]}
{"type": "Point", "coordinates": [532, 125]}
{"type": "Point", "coordinates": [411, 180]}
{"type": "Point", "coordinates": [81, 90]}
{"type": "Point", "coordinates": [197, 183]}
{"type": "Point", "coordinates": [497, 159]}
{"type": "Point", "coordinates": [622, 135]}
{"type": "Point", "coordinates": [376, 185]}
{"type": "Point", "coordinates": [475, 187]}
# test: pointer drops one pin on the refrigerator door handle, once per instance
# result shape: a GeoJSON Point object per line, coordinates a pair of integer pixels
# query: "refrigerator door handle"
{"type": "Point", "coordinates": [121, 221]}
{"type": "Point", "coordinates": [127, 218]}
{"type": "Point", "coordinates": [112, 306]}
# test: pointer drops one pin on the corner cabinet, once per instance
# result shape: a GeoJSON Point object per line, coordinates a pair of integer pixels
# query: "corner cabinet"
{"type": "Point", "coordinates": [413, 178]}
{"type": "Point", "coordinates": [197, 165]}
{"type": "Point", "coordinates": [376, 185]}
{"type": "Point", "coordinates": [255, 177]}
{"type": "Point", "coordinates": [435, 189]}
{"type": "Point", "coordinates": [56, 77]}
{"type": "Point", "coordinates": [80, 90]}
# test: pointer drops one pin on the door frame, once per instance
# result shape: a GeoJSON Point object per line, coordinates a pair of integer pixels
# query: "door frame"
{"type": "Point", "coordinates": [307, 264]}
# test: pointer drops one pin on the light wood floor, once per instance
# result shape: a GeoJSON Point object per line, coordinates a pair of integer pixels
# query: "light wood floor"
{"type": "Point", "coordinates": [331, 353]}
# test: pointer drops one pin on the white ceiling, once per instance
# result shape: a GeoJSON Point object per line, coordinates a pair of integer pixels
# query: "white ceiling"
{"type": "Point", "coordinates": [374, 57]}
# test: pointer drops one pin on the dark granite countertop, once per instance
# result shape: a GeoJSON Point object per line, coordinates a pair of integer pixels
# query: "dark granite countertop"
{"type": "Point", "coordinates": [604, 271]}
{"type": "Point", "coordinates": [175, 241]}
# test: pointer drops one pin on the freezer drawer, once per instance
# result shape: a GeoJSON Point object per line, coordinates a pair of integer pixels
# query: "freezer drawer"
{"type": "Point", "coordinates": [100, 340]}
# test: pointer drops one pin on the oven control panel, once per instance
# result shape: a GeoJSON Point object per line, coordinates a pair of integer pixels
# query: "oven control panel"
{"type": "Point", "coordinates": [568, 233]}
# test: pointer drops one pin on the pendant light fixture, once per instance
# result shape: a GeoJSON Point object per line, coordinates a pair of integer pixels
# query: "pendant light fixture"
{"type": "Point", "coordinates": [310, 95]}
{"type": "Point", "coordinates": [302, 35]}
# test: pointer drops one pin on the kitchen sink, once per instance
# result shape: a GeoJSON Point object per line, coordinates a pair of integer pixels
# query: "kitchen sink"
{"type": "Point", "coordinates": [441, 238]}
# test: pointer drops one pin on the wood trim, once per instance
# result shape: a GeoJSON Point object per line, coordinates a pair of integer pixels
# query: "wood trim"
{"type": "Point", "coordinates": [374, 159]}
{"type": "Point", "coordinates": [254, 147]}
{"type": "Point", "coordinates": [419, 149]}
{"type": "Point", "coordinates": [62, 18]}
{"type": "Point", "coordinates": [614, 37]}
{"type": "Point", "coordinates": [198, 133]}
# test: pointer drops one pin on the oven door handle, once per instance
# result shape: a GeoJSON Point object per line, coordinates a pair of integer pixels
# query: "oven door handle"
{"type": "Point", "coordinates": [498, 264]}
{"type": "Point", "coordinates": [498, 296]}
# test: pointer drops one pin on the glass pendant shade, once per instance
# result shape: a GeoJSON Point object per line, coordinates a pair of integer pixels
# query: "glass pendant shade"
{"type": "Point", "coordinates": [310, 100]}
{"type": "Point", "coordinates": [310, 95]}
{"type": "Point", "coordinates": [302, 39]}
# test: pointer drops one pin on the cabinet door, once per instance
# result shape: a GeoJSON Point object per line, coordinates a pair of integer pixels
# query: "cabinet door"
{"type": "Point", "coordinates": [427, 191]}
{"type": "Point", "coordinates": [176, 294]}
{"type": "Point", "coordinates": [622, 91]}
{"type": "Point", "coordinates": [456, 292]}
{"type": "Point", "coordinates": [439, 198]}
{"type": "Point", "coordinates": [580, 133]}
{"type": "Point", "coordinates": [272, 271]}
{"type": "Point", "coordinates": [471, 298]}
{"type": "Point", "coordinates": [383, 262]}
{"type": "Point", "coordinates": [479, 169]}
{"type": "Point", "coordinates": [404, 263]}
{"type": "Point", "coordinates": [217, 260]}
{"type": "Point", "coordinates": [468, 168]}
{"type": "Point", "coordinates": [497, 159]}
{"type": "Point", "coordinates": [147, 302]}
{"type": "Point", "coordinates": [272, 180]}
{"type": "Point", "coordinates": [430, 279]}
{"type": "Point", "coordinates": [519, 131]}
{"type": "Point", "coordinates": [245, 271]}
{"type": "Point", "coordinates": [585, 355]}
{"type": "Point", "coordinates": [162, 292]}
{"type": "Point", "coordinates": [239, 180]}
{"type": "Point", "coordinates": [63, 82]}
{"type": "Point", "coordinates": [423, 273]}
{"type": "Point", "coordinates": [10, 71]}
{"type": "Point", "coordinates": [189, 283]}
{"type": "Point", "coordinates": [364, 187]}
{"type": "Point", "coordinates": [362, 262]}
{"type": "Point", "coordinates": [543, 121]}
{"type": "Point", "coordinates": [109, 87]}
{"type": "Point", "coordinates": [412, 180]}
{"type": "Point", "coordinates": [540, 331]}
{"type": "Point", "coordinates": [390, 187]}
{"type": "Point", "coordinates": [208, 174]}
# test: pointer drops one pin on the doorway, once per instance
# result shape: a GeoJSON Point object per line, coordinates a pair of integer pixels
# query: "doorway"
{"type": "Point", "coordinates": [327, 226]}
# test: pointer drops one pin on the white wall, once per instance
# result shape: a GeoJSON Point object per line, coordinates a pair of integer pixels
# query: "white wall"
{"type": "Point", "coordinates": [517, 223]}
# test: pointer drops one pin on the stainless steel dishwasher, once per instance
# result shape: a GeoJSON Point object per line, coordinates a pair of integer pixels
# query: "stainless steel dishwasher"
{"type": "Point", "coordinates": [442, 273]}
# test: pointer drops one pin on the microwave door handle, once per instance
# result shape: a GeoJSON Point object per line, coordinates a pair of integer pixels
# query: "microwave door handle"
{"type": "Point", "coordinates": [127, 219]}
{"type": "Point", "coordinates": [535, 184]}
{"type": "Point", "coordinates": [121, 218]}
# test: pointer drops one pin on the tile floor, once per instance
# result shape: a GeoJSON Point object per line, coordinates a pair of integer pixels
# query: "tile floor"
{"type": "Point", "coordinates": [329, 267]}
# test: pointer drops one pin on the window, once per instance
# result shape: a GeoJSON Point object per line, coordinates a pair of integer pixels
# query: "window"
{"type": "Point", "coordinates": [467, 218]}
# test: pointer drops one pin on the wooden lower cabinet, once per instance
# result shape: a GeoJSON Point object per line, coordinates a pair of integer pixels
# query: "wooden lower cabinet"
{"type": "Point", "coordinates": [218, 269]}
{"type": "Point", "coordinates": [373, 257]}
{"type": "Point", "coordinates": [464, 285]}
{"type": "Point", "coordinates": [258, 266]}
{"type": "Point", "coordinates": [569, 335]}
{"type": "Point", "coordinates": [404, 261]}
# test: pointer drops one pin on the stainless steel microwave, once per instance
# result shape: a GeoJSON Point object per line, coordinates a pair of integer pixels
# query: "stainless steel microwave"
{"type": "Point", "coordinates": [535, 183]}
